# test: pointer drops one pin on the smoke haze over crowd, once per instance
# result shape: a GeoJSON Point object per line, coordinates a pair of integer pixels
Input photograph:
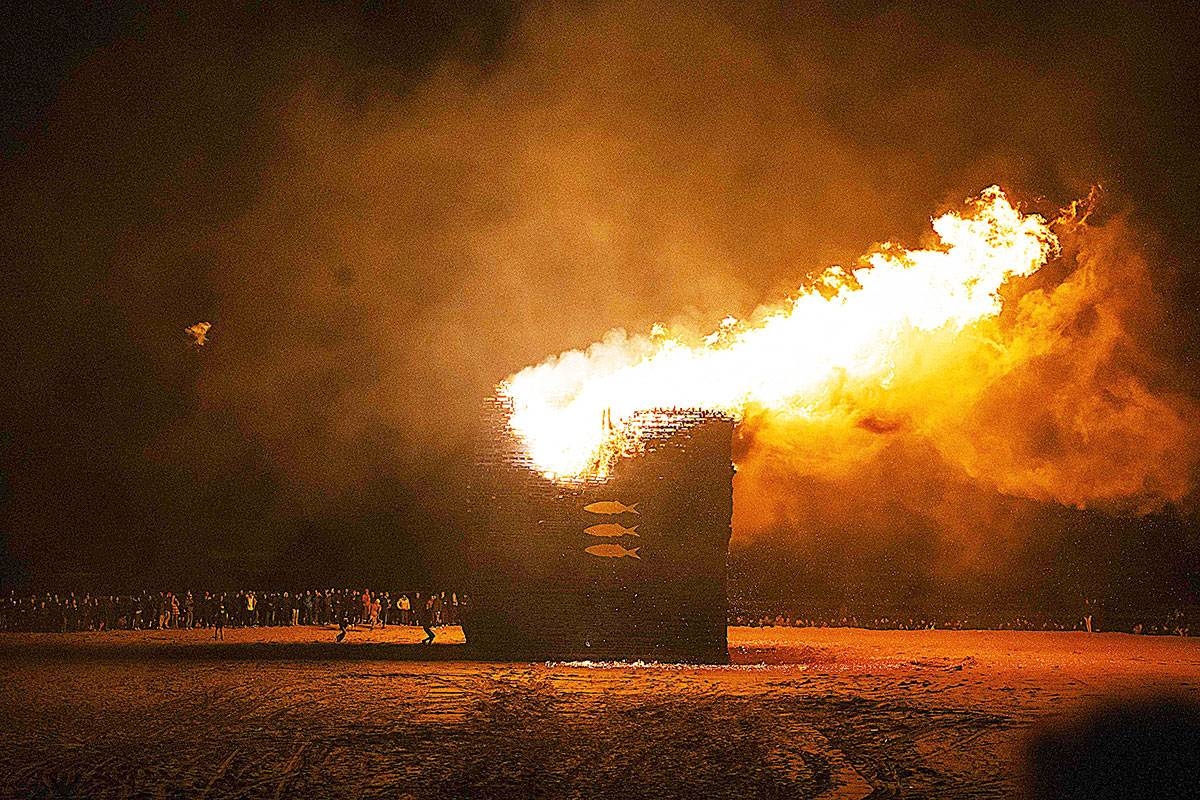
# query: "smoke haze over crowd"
{"type": "Point", "coordinates": [382, 214]}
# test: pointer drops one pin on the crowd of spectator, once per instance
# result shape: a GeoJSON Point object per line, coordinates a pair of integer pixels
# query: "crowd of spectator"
{"type": "Point", "coordinates": [1174, 622]}
{"type": "Point", "coordinates": [253, 608]}
{"type": "Point", "coordinates": [246, 608]}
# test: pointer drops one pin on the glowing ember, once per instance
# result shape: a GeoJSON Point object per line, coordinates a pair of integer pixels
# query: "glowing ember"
{"type": "Point", "coordinates": [198, 332]}
{"type": "Point", "coordinates": [847, 331]}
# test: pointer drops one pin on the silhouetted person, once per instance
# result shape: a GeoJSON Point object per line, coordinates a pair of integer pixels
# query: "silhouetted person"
{"type": "Point", "coordinates": [1141, 747]}
{"type": "Point", "coordinates": [464, 614]}
{"type": "Point", "coordinates": [425, 619]}
{"type": "Point", "coordinates": [343, 627]}
{"type": "Point", "coordinates": [219, 623]}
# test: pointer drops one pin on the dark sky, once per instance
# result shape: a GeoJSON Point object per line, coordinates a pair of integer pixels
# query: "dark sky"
{"type": "Point", "coordinates": [384, 210]}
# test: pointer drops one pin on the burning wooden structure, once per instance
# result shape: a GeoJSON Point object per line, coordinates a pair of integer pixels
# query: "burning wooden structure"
{"type": "Point", "coordinates": [631, 567]}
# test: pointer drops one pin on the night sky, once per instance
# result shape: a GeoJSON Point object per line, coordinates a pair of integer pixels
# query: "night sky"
{"type": "Point", "coordinates": [383, 211]}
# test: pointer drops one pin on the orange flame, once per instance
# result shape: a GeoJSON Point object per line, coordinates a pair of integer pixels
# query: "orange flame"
{"type": "Point", "coordinates": [847, 332]}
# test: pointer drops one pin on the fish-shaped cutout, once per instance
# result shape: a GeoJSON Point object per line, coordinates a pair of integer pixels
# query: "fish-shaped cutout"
{"type": "Point", "coordinates": [611, 507]}
{"type": "Point", "coordinates": [612, 551]}
{"type": "Point", "coordinates": [611, 529]}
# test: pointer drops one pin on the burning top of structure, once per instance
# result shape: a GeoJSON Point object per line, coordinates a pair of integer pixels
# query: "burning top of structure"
{"type": "Point", "coordinates": [641, 432]}
{"type": "Point", "coordinates": [847, 333]}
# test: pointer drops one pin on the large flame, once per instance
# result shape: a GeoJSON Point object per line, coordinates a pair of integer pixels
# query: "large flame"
{"type": "Point", "coordinates": [577, 411]}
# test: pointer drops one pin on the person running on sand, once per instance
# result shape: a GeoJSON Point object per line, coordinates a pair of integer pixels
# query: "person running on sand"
{"type": "Point", "coordinates": [425, 619]}
{"type": "Point", "coordinates": [219, 623]}
{"type": "Point", "coordinates": [343, 627]}
{"type": "Point", "coordinates": [375, 608]}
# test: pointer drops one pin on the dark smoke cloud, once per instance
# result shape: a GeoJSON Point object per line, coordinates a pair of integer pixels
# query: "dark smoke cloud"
{"type": "Point", "coordinates": [382, 215]}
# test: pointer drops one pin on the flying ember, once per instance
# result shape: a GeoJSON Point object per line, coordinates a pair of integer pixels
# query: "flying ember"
{"type": "Point", "coordinates": [847, 330]}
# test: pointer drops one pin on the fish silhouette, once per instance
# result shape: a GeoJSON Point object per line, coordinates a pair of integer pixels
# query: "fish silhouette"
{"type": "Point", "coordinates": [611, 507]}
{"type": "Point", "coordinates": [612, 551]}
{"type": "Point", "coordinates": [610, 529]}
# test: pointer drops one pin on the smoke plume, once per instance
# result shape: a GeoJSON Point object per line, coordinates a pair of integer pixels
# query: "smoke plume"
{"type": "Point", "coordinates": [382, 216]}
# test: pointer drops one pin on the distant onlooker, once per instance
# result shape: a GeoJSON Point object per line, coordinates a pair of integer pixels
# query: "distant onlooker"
{"type": "Point", "coordinates": [436, 608]}
{"type": "Point", "coordinates": [306, 609]}
{"type": "Point", "coordinates": [375, 609]}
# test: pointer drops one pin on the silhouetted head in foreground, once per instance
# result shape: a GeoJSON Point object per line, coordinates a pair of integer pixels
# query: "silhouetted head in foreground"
{"type": "Point", "coordinates": [1141, 747]}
